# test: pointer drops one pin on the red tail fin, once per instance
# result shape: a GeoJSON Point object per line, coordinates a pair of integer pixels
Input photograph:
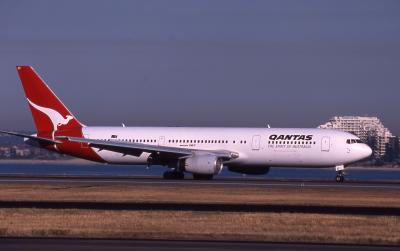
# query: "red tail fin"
{"type": "Point", "coordinates": [48, 112]}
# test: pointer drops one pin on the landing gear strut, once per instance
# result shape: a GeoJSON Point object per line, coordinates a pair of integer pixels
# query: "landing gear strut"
{"type": "Point", "coordinates": [340, 173]}
{"type": "Point", "coordinates": [340, 176]}
{"type": "Point", "coordinates": [173, 175]}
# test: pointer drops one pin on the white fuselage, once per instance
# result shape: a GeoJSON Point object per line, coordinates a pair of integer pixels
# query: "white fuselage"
{"type": "Point", "coordinates": [255, 146]}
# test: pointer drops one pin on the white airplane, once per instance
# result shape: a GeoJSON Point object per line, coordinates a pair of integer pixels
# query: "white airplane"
{"type": "Point", "coordinates": [200, 151]}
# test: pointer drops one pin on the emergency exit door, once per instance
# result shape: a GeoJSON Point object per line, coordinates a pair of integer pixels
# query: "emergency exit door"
{"type": "Point", "coordinates": [161, 140]}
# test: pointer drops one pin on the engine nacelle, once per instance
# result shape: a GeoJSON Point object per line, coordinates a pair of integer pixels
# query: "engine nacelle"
{"type": "Point", "coordinates": [203, 164]}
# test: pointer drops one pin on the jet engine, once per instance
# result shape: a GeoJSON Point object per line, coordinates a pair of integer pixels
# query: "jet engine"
{"type": "Point", "coordinates": [203, 164]}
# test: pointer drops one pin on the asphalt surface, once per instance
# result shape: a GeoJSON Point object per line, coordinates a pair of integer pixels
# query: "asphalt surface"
{"type": "Point", "coordinates": [224, 182]}
{"type": "Point", "coordinates": [44, 244]}
{"type": "Point", "coordinates": [206, 207]}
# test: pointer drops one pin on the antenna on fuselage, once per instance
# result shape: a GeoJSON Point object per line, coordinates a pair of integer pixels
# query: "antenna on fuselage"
{"type": "Point", "coordinates": [123, 125]}
{"type": "Point", "coordinates": [268, 126]}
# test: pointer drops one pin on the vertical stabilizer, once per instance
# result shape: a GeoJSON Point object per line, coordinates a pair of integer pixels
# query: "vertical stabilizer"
{"type": "Point", "coordinates": [48, 112]}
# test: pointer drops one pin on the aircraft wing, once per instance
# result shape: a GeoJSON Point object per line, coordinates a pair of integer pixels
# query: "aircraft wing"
{"type": "Point", "coordinates": [32, 137]}
{"type": "Point", "coordinates": [136, 149]}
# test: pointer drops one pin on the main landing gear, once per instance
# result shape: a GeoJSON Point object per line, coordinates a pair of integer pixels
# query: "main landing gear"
{"type": "Point", "coordinates": [340, 173]}
{"type": "Point", "coordinates": [173, 175]}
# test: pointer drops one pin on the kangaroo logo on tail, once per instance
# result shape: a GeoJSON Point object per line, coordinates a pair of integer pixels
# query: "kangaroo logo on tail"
{"type": "Point", "coordinates": [56, 118]}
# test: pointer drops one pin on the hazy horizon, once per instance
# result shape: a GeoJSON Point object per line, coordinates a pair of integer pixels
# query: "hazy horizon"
{"type": "Point", "coordinates": [204, 63]}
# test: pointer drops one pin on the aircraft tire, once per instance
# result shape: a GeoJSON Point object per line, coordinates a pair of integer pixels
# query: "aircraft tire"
{"type": "Point", "coordinates": [339, 178]}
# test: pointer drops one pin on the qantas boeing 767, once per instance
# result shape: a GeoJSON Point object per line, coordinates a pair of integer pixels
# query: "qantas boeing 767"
{"type": "Point", "coordinates": [200, 151]}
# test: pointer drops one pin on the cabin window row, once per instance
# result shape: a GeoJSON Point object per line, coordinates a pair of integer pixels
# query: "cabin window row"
{"type": "Point", "coordinates": [134, 140]}
{"type": "Point", "coordinates": [291, 142]}
{"type": "Point", "coordinates": [178, 141]}
{"type": "Point", "coordinates": [205, 141]}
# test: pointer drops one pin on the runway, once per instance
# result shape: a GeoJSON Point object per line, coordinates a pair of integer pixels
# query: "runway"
{"type": "Point", "coordinates": [221, 182]}
{"type": "Point", "coordinates": [64, 244]}
{"type": "Point", "coordinates": [135, 184]}
{"type": "Point", "coordinates": [206, 207]}
{"type": "Point", "coordinates": [261, 205]}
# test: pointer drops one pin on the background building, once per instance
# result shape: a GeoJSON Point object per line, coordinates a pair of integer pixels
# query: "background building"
{"type": "Point", "coordinates": [371, 131]}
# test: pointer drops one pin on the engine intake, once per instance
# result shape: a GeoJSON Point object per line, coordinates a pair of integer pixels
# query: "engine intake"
{"type": "Point", "coordinates": [203, 164]}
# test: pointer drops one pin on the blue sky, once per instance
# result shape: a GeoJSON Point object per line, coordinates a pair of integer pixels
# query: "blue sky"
{"type": "Point", "coordinates": [205, 63]}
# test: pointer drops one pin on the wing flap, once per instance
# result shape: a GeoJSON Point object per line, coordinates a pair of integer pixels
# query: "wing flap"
{"type": "Point", "coordinates": [136, 149]}
{"type": "Point", "coordinates": [127, 147]}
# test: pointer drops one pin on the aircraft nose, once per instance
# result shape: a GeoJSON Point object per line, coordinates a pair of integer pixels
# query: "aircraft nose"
{"type": "Point", "coordinates": [365, 151]}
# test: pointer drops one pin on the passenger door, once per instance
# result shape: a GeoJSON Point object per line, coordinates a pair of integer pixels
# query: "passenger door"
{"type": "Point", "coordinates": [325, 144]}
{"type": "Point", "coordinates": [256, 142]}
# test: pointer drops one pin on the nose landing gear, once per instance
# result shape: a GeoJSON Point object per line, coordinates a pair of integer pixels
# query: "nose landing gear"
{"type": "Point", "coordinates": [340, 177]}
{"type": "Point", "coordinates": [340, 173]}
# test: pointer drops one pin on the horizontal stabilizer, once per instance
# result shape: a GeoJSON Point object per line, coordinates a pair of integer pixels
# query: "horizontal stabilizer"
{"type": "Point", "coordinates": [31, 137]}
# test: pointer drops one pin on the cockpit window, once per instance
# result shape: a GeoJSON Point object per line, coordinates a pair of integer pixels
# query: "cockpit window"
{"type": "Point", "coordinates": [353, 141]}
